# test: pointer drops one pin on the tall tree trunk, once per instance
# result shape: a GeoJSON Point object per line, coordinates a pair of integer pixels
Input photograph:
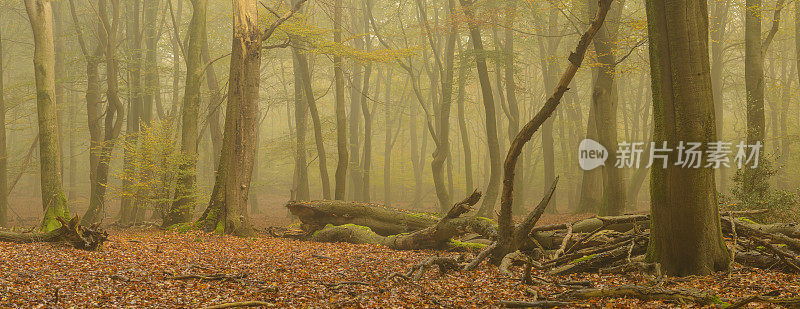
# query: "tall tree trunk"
{"type": "Point", "coordinates": [311, 102]}
{"type": "Point", "coordinates": [592, 180]}
{"type": "Point", "coordinates": [302, 192]}
{"type": "Point", "coordinates": [718, 27]}
{"type": "Point", "coordinates": [60, 51]}
{"type": "Point", "coordinates": [253, 198]}
{"type": "Point", "coordinates": [177, 53]}
{"type": "Point", "coordinates": [512, 237]}
{"type": "Point", "coordinates": [366, 161]}
{"type": "Point", "coordinates": [442, 151]}
{"type": "Point", "coordinates": [92, 55]}
{"type": "Point", "coordinates": [54, 202]}
{"type": "Point", "coordinates": [389, 139]}
{"type": "Point", "coordinates": [184, 201]}
{"type": "Point", "coordinates": [416, 156]}
{"type": "Point", "coordinates": [685, 237]}
{"type": "Point", "coordinates": [149, 92]}
{"type": "Point", "coordinates": [215, 104]}
{"type": "Point", "coordinates": [490, 197]}
{"type": "Point", "coordinates": [341, 113]}
{"type": "Point", "coordinates": [114, 114]}
{"type": "Point", "coordinates": [462, 127]}
{"type": "Point", "coordinates": [150, 65]}
{"type": "Point", "coordinates": [355, 110]}
{"type": "Point", "coordinates": [549, 46]}
{"type": "Point", "coordinates": [755, 183]}
{"type": "Point", "coordinates": [511, 98]}
{"type": "Point", "coordinates": [3, 151]}
{"type": "Point", "coordinates": [605, 102]}
{"type": "Point", "coordinates": [128, 206]}
{"type": "Point", "coordinates": [783, 137]}
{"type": "Point", "coordinates": [227, 210]}
{"type": "Point", "coordinates": [72, 148]}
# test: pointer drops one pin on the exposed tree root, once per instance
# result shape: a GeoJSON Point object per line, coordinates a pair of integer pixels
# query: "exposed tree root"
{"type": "Point", "coordinates": [445, 264]}
{"type": "Point", "coordinates": [71, 232]}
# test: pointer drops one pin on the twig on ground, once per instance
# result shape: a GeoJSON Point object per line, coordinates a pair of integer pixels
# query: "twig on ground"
{"type": "Point", "coordinates": [240, 304]}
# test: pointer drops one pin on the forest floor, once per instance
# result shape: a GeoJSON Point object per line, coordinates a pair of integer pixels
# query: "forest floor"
{"type": "Point", "coordinates": [142, 268]}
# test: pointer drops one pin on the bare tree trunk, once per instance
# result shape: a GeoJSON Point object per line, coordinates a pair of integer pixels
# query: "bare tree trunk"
{"type": "Point", "coordinates": [150, 65]}
{"type": "Point", "coordinates": [509, 235]}
{"type": "Point", "coordinates": [128, 206]}
{"type": "Point", "coordinates": [60, 52]}
{"type": "Point", "coordinates": [442, 151]}
{"type": "Point", "coordinates": [3, 151]}
{"type": "Point", "coordinates": [592, 180]}
{"type": "Point", "coordinates": [355, 111]}
{"type": "Point", "coordinates": [549, 46]}
{"type": "Point", "coordinates": [54, 202]}
{"type": "Point", "coordinates": [302, 191]}
{"type": "Point", "coordinates": [114, 114]}
{"type": "Point", "coordinates": [227, 210]}
{"type": "Point", "coordinates": [253, 198]}
{"type": "Point", "coordinates": [490, 198]}
{"type": "Point", "coordinates": [462, 126]}
{"type": "Point", "coordinates": [184, 201]}
{"type": "Point", "coordinates": [341, 113]}
{"type": "Point", "coordinates": [389, 138]}
{"type": "Point", "coordinates": [685, 237]}
{"type": "Point", "coordinates": [718, 25]}
{"type": "Point", "coordinates": [215, 104]}
{"type": "Point", "coordinates": [755, 183]}
{"type": "Point", "coordinates": [511, 98]}
{"type": "Point", "coordinates": [366, 161]}
{"type": "Point", "coordinates": [311, 102]}
{"type": "Point", "coordinates": [149, 93]}
{"type": "Point", "coordinates": [783, 138]}
{"type": "Point", "coordinates": [604, 101]}
{"type": "Point", "coordinates": [416, 163]}
{"type": "Point", "coordinates": [92, 55]}
{"type": "Point", "coordinates": [177, 53]}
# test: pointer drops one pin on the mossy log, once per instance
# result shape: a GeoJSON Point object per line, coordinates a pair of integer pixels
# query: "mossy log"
{"type": "Point", "coordinates": [315, 215]}
{"type": "Point", "coordinates": [71, 232]}
{"type": "Point", "coordinates": [436, 236]}
{"type": "Point", "coordinates": [595, 262]}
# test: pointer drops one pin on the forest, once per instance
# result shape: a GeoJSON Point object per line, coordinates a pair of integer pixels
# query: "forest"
{"type": "Point", "coordinates": [343, 154]}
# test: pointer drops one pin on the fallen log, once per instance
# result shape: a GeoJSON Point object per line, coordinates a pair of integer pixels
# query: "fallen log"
{"type": "Point", "coordinates": [315, 215]}
{"type": "Point", "coordinates": [745, 228]}
{"type": "Point", "coordinates": [784, 302]}
{"type": "Point", "coordinates": [437, 236]}
{"type": "Point", "coordinates": [534, 304]}
{"type": "Point", "coordinates": [597, 261]}
{"type": "Point", "coordinates": [682, 296]}
{"type": "Point", "coordinates": [71, 232]}
{"type": "Point", "coordinates": [762, 261]}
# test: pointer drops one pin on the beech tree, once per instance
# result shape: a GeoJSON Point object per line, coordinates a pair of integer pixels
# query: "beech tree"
{"type": "Point", "coordinates": [685, 237]}
{"type": "Point", "coordinates": [54, 202]}
{"type": "Point", "coordinates": [227, 210]}
{"type": "Point", "coordinates": [3, 150]}
{"type": "Point", "coordinates": [184, 201]}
